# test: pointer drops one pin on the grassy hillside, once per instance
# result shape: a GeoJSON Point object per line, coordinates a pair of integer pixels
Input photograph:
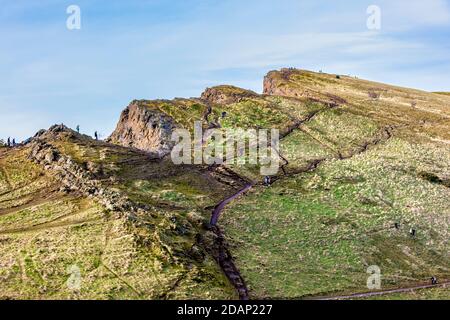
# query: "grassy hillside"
{"type": "Point", "coordinates": [318, 232]}
{"type": "Point", "coordinates": [46, 233]}
{"type": "Point", "coordinates": [426, 294]}
{"type": "Point", "coordinates": [363, 163]}
{"type": "Point", "coordinates": [314, 233]}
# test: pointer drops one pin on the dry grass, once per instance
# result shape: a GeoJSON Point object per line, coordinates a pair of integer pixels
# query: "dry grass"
{"type": "Point", "coordinates": [317, 233]}
{"type": "Point", "coordinates": [309, 234]}
{"type": "Point", "coordinates": [44, 233]}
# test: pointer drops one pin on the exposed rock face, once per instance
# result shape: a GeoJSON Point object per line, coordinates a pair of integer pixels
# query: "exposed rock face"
{"type": "Point", "coordinates": [145, 125]}
{"type": "Point", "coordinates": [270, 83]}
{"type": "Point", "coordinates": [226, 94]}
{"type": "Point", "coordinates": [144, 128]}
{"type": "Point", "coordinates": [275, 83]}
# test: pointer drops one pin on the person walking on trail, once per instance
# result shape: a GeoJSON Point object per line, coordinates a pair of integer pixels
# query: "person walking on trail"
{"type": "Point", "coordinates": [434, 280]}
{"type": "Point", "coordinates": [14, 142]}
{"type": "Point", "coordinates": [266, 180]}
{"type": "Point", "coordinates": [9, 142]}
{"type": "Point", "coordinates": [78, 128]}
{"type": "Point", "coordinates": [96, 135]}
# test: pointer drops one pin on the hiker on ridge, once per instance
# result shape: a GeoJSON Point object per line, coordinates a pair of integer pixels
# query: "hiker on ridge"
{"type": "Point", "coordinates": [96, 135]}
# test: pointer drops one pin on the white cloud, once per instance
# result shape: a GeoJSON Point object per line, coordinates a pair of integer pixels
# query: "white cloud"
{"type": "Point", "coordinates": [405, 14]}
{"type": "Point", "coordinates": [257, 51]}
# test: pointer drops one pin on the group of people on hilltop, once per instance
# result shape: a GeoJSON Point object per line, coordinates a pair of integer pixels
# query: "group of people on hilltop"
{"type": "Point", "coordinates": [11, 142]}
{"type": "Point", "coordinates": [95, 133]}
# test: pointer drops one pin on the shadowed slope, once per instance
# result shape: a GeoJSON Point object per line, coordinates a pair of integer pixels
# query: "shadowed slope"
{"type": "Point", "coordinates": [144, 247]}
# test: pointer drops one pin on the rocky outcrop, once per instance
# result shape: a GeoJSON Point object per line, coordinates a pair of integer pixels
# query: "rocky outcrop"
{"type": "Point", "coordinates": [76, 178]}
{"type": "Point", "coordinates": [278, 83]}
{"type": "Point", "coordinates": [226, 94]}
{"type": "Point", "coordinates": [144, 128]}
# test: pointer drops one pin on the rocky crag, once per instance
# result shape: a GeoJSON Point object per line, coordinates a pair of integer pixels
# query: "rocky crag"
{"type": "Point", "coordinates": [363, 164]}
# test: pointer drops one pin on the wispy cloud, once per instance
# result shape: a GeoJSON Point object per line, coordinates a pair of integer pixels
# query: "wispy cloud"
{"type": "Point", "coordinates": [162, 49]}
{"type": "Point", "coordinates": [409, 14]}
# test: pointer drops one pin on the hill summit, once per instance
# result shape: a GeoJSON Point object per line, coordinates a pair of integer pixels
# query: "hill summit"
{"type": "Point", "coordinates": [364, 182]}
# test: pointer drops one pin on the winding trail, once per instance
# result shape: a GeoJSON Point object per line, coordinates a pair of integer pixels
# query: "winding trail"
{"type": "Point", "coordinates": [221, 252]}
{"type": "Point", "coordinates": [384, 292]}
{"type": "Point", "coordinates": [219, 208]}
{"type": "Point", "coordinates": [225, 260]}
{"type": "Point", "coordinates": [48, 225]}
{"type": "Point", "coordinates": [38, 199]}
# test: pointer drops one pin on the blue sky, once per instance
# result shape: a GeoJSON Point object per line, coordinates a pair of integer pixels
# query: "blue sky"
{"type": "Point", "coordinates": [152, 49]}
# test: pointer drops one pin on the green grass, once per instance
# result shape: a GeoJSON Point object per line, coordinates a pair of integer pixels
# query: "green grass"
{"type": "Point", "coordinates": [263, 112]}
{"type": "Point", "coordinates": [310, 234]}
{"type": "Point", "coordinates": [300, 148]}
{"type": "Point", "coordinates": [251, 114]}
{"type": "Point", "coordinates": [424, 294]}
{"type": "Point", "coordinates": [184, 111]}
{"type": "Point", "coordinates": [317, 233]}
{"type": "Point", "coordinates": [44, 232]}
{"type": "Point", "coordinates": [17, 172]}
{"type": "Point", "coordinates": [341, 130]}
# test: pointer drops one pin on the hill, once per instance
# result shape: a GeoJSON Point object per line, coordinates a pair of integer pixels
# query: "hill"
{"type": "Point", "coordinates": [363, 164]}
{"type": "Point", "coordinates": [444, 93]}
{"type": "Point", "coordinates": [127, 222]}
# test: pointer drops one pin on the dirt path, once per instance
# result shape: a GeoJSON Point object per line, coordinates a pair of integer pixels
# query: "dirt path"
{"type": "Point", "coordinates": [384, 292]}
{"type": "Point", "coordinates": [223, 255]}
{"type": "Point", "coordinates": [36, 200]}
{"type": "Point", "coordinates": [219, 208]}
{"type": "Point", "coordinates": [323, 144]}
{"type": "Point", "coordinates": [46, 226]}
{"type": "Point", "coordinates": [139, 294]}
{"type": "Point", "coordinates": [385, 134]}
{"type": "Point", "coordinates": [220, 249]}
